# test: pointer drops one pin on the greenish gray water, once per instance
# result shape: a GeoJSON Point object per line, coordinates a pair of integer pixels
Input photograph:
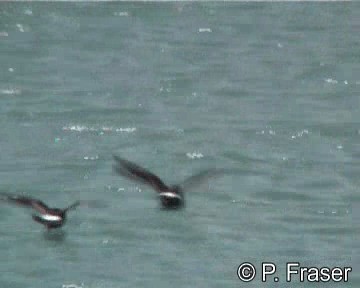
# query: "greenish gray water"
{"type": "Point", "coordinates": [270, 91]}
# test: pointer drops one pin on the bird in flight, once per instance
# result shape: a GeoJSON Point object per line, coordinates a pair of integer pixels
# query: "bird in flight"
{"type": "Point", "coordinates": [51, 218]}
{"type": "Point", "coordinates": [171, 197]}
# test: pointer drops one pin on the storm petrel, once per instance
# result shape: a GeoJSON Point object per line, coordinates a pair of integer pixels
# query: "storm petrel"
{"type": "Point", "coordinates": [49, 217]}
{"type": "Point", "coordinates": [171, 197]}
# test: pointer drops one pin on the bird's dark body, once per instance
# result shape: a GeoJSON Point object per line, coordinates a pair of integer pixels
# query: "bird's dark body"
{"type": "Point", "coordinates": [169, 202]}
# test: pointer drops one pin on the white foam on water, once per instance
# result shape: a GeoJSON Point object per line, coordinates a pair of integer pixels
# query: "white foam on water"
{"type": "Point", "coordinates": [101, 130]}
{"type": "Point", "coordinates": [121, 13]}
{"type": "Point", "coordinates": [3, 34]}
{"type": "Point", "coordinates": [268, 131]}
{"type": "Point", "coordinates": [332, 212]}
{"type": "Point", "coordinates": [10, 91]}
{"type": "Point", "coordinates": [300, 134]}
{"type": "Point", "coordinates": [331, 81]}
{"type": "Point", "coordinates": [334, 81]}
{"type": "Point", "coordinates": [194, 155]}
{"type": "Point", "coordinates": [129, 129]}
{"type": "Point", "coordinates": [20, 27]}
{"type": "Point", "coordinates": [202, 30]}
{"type": "Point", "coordinates": [76, 128]}
{"type": "Point", "coordinates": [92, 158]}
{"type": "Point", "coordinates": [72, 286]}
{"type": "Point", "coordinates": [28, 12]}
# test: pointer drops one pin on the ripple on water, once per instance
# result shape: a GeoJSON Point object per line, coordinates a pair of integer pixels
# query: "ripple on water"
{"type": "Point", "coordinates": [202, 30]}
{"type": "Point", "coordinates": [91, 158]}
{"type": "Point", "coordinates": [20, 27]}
{"type": "Point", "coordinates": [284, 196]}
{"type": "Point", "coordinates": [334, 81]}
{"type": "Point", "coordinates": [194, 155]}
{"type": "Point", "coordinates": [300, 134]}
{"type": "Point", "coordinates": [83, 128]}
{"type": "Point", "coordinates": [121, 13]}
{"type": "Point", "coordinates": [10, 91]}
{"type": "Point", "coordinates": [28, 12]}
{"type": "Point", "coordinates": [73, 285]}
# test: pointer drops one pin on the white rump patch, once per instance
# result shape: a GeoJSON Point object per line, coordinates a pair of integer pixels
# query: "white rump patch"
{"type": "Point", "coordinates": [169, 195]}
{"type": "Point", "coordinates": [49, 217]}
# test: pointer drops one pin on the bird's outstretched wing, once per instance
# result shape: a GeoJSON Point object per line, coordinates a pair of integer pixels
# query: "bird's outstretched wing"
{"type": "Point", "coordinates": [200, 178]}
{"type": "Point", "coordinates": [36, 204]}
{"type": "Point", "coordinates": [132, 171]}
{"type": "Point", "coordinates": [87, 204]}
{"type": "Point", "coordinates": [73, 206]}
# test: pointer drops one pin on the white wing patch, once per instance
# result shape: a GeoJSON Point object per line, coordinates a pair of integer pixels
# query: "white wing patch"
{"type": "Point", "coordinates": [49, 217]}
{"type": "Point", "coordinates": [169, 195]}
